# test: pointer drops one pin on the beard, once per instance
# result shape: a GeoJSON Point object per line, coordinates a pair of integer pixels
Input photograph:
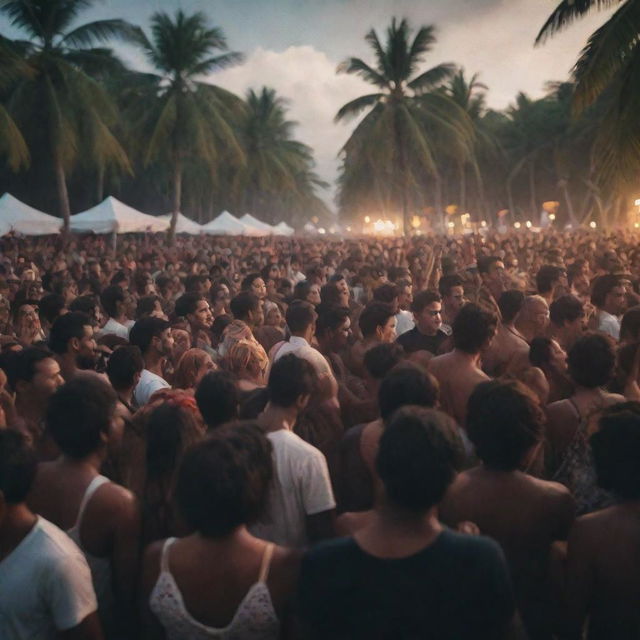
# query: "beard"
{"type": "Point", "coordinates": [86, 362]}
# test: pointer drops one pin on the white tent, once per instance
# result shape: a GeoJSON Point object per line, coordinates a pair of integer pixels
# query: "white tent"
{"type": "Point", "coordinates": [20, 217]}
{"type": "Point", "coordinates": [111, 216]}
{"type": "Point", "coordinates": [266, 229]}
{"type": "Point", "coordinates": [227, 225]}
{"type": "Point", "coordinates": [184, 224]}
{"type": "Point", "coordinates": [283, 229]}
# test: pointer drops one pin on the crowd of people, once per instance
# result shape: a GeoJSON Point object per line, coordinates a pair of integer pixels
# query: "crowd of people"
{"type": "Point", "coordinates": [250, 438]}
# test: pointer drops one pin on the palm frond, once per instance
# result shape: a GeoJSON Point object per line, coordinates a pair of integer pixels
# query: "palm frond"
{"type": "Point", "coordinates": [608, 50]}
{"type": "Point", "coordinates": [433, 77]}
{"type": "Point", "coordinates": [91, 33]}
{"type": "Point", "coordinates": [355, 107]}
{"type": "Point", "coordinates": [12, 144]}
{"type": "Point", "coordinates": [214, 63]}
{"type": "Point", "coordinates": [359, 67]}
{"type": "Point", "coordinates": [567, 12]}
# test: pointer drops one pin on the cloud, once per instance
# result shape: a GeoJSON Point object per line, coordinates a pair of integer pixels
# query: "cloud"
{"type": "Point", "coordinates": [307, 78]}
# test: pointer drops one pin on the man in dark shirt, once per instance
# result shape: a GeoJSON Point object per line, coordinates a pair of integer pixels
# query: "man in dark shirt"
{"type": "Point", "coordinates": [427, 314]}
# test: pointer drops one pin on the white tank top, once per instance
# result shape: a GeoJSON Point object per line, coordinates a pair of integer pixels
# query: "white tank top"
{"type": "Point", "coordinates": [100, 566]}
{"type": "Point", "coordinates": [254, 619]}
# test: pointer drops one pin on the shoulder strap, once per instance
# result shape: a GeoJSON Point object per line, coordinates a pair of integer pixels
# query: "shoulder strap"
{"type": "Point", "coordinates": [94, 485]}
{"type": "Point", "coordinates": [266, 562]}
{"type": "Point", "coordinates": [164, 558]}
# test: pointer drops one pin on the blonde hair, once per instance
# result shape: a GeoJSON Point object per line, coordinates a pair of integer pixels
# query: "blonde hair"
{"type": "Point", "coordinates": [187, 369]}
{"type": "Point", "coordinates": [246, 356]}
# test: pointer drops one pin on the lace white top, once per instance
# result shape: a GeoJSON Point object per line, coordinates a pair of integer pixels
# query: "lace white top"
{"type": "Point", "coordinates": [254, 619]}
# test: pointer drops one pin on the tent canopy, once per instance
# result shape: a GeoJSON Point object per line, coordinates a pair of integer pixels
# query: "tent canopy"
{"type": "Point", "coordinates": [227, 225]}
{"type": "Point", "coordinates": [266, 229]}
{"type": "Point", "coordinates": [283, 229]}
{"type": "Point", "coordinates": [111, 216]}
{"type": "Point", "coordinates": [184, 224]}
{"type": "Point", "coordinates": [20, 217]}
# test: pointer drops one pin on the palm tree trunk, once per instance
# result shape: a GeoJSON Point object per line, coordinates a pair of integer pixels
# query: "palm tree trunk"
{"type": "Point", "coordinates": [177, 200]}
{"type": "Point", "coordinates": [463, 188]}
{"type": "Point", "coordinates": [569, 201]}
{"type": "Point", "coordinates": [63, 194]}
{"type": "Point", "coordinates": [100, 183]}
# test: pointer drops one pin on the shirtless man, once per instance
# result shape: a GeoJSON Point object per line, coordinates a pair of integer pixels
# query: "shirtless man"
{"type": "Point", "coordinates": [533, 319]}
{"type": "Point", "coordinates": [494, 282]}
{"type": "Point", "coordinates": [508, 343]}
{"type": "Point", "coordinates": [524, 514]}
{"type": "Point", "coordinates": [458, 372]}
{"type": "Point", "coordinates": [603, 571]}
{"type": "Point", "coordinates": [73, 343]}
{"type": "Point", "coordinates": [567, 321]}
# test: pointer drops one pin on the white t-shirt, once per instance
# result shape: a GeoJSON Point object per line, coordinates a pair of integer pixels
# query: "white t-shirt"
{"type": "Point", "coordinates": [45, 585]}
{"type": "Point", "coordinates": [304, 350]}
{"type": "Point", "coordinates": [404, 322]}
{"type": "Point", "coordinates": [114, 327]}
{"type": "Point", "coordinates": [301, 487]}
{"type": "Point", "coordinates": [608, 323]}
{"type": "Point", "coordinates": [148, 385]}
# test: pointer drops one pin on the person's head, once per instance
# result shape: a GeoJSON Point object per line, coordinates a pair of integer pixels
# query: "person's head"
{"type": "Point", "coordinates": [247, 360]}
{"type": "Point", "coordinates": [608, 293]}
{"type": "Point", "coordinates": [427, 312]}
{"type": "Point", "coordinates": [51, 307]}
{"type": "Point", "coordinates": [170, 430]}
{"type": "Point", "coordinates": [34, 374]}
{"type": "Point", "coordinates": [220, 298]}
{"type": "Point", "coordinates": [616, 450]}
{"type": "Point", "coordinates": [333, 327]}
{"type": "Point", "coordinates": [18, 466]}
{"type": "Point", "coordinates": [150, 306]}
{"type": "Point", "coordinates": [247, 306]}
{"type": "Point", "coordinates": [223, 481]}
{"type": "Point", "coordinates": [80, 416]}
{"type": "Point", "coordinates": [491, 270]}
{"type": "Point", "coordinates": [254, 283]}
{"type": "Point", "coordinates": [510, 304]}
{"type": "Point", "coordinates": [381, 358]}
{"type": "Point", "coordinates": [591, 360]}
{"type": "Point", "coordinates": [192, 366]}
{"type": "Point", "coordinates": [196, 283]}
{"type": "Point", "coordinates": [113, 300]}
{"type": "Point", "coordinates": [535, 315]}
{"type": "Point", "coordinates": [307, 291]}
{"type": "Point", "coordinates": [217, 398]}
{"type": "Point", "coordinates": [124, 368]}
{"type": "Point", "coordinates": [152, 336]}
{"type": "Point", "coordinates": [388, 294]}
{"type": "Point", "coordinates": [273, 316]}
{"type": "Point", "coordinates": [291, 382]}
{"type": "Point", "coordinates": [547, 353]}
{"type": "Point", "coordinates": [378, 321]}
{"type": "Point", "coordinates": [567, 313]}
{"type": "Point", "coordinates": [549, 277]}
{"type": "Point", "coordinates": [72, 334]}
{"type": "Point", "coordinates": [504, 423]}
{"type": "Point", "coordinates": [630, 325]}
{"type": "Point", "coordinates": [90, 306]}
{"type": "Point", "coordinates": [406, 384]}
{"type": "Point", "coordinates": [452, 292]}
{"type": "Point", "coordinates": [301, 318]}
{"type": "Point", "coordinates": [120, 279]}
{"type": "Point", "coordinates": [473, 329]}
{"type": "Point", "coordinates": [332, 295]}
{"type": "Point", "coordinates": [417, 459]}
{"type": "Point", "coordinates": [195, 308]}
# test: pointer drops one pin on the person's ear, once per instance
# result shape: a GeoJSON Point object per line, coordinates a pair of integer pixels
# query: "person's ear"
{"type": "Point", "coordinates": [379, 332]}
{"type": "Point", "coordinates": [75, 344]}
{"type": "Point", "coordinates": [302, 401]}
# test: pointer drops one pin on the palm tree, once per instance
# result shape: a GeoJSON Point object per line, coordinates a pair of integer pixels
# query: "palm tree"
{"type": "Point", "coordinates": [608, 68]}
{"type": "Point", "coordinates": [393, 138]}
{"type": "Point", "coordinates": [180, 116]}
{"type": "Point", "coordinates": [58, 92]}
{"type": "Point", "coordinates": [277, 164]}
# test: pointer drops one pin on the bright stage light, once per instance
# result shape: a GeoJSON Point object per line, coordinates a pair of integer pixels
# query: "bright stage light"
{"type": "Point", "coordinates": [593, 225]}
{"type": "Point", "coordinates": [517, 225]}
{"type": "Point", "coordinates": [367, 219]}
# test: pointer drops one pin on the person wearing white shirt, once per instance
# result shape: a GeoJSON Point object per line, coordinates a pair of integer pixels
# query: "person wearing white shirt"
{"type": "Point", "coordinates": [119, 306]}
{"type": "Point", "coordinates": [153, 337]}
{"type": "Point", "coordinates": [300, 507]}
{"type": "Point", "coordinates": [609, 297]}
{"type": "Point", "coordinates": [45, 582]}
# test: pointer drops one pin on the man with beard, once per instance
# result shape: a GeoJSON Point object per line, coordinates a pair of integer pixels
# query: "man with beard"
{"type": "Point", "coordinates": [196, 310]}
{"type": "Point", "coordinates": [73, 343]}
{"type": "Point", "coordinates": [153, 337]}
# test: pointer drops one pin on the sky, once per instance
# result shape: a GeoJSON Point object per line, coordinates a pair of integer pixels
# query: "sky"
{"type": "Point", "coordinates": [294, 47]}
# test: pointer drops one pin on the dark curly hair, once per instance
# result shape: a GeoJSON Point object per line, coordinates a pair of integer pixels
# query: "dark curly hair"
{"type": "Point", "coordinates": [223, 481]}
{"type": "Point", "coordinates": [591, 360]}
{"type": "Point", "coordinates": [503, 422]}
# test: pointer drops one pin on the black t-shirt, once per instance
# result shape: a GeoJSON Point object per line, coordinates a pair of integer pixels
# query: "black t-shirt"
{"type": "Point", "coordinates": [456, 588]}
{"type": "Point", "coordinates": [413, 340]}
